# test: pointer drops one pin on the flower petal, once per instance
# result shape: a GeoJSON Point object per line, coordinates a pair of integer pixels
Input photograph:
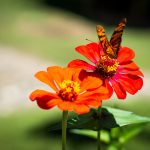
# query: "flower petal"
{"type": "Point", "coordinates": [81, 64]}
{"type": "Point", "coordinates": [44, 77]}
{"type": "Point", "coordinates": [125, 54]}
{"type": "Point", "coordinates": [94, 103]}
{"type": "Point", "coordinates": [90, 82]}
{"type": "Point", "coordinates": [90, 51]}
{"type": "Point", "coordinates": [98, 94]}
{"type": "Point", "coordinates": [133, 72]}
{"type": "Point", "coordinates": [131, 83]}
{"type": "Point", "coordinates": [45, 100]}
{"type": "Point", "coordinates": [56, 74]}
{"type": "Point", "coordinates": [81, 109]}
{"type": "Point", "coordinates": [109, 88]}
{"type": "Point", "coordinates": [119, 90]}
{"type": "Point", "coordinates": [129, 65]}
{"type": "Point", "coordinates": [65, 105]}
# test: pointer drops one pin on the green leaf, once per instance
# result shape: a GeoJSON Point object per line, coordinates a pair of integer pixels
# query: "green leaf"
{"type": "Point", "coordinates": [116, 137]}
{"type": "Point", "coordinates": [93, 134]}
{"type": "Point", "coordinates": [123, 117]}
{"type": "Point", "coordinates": [129, 132]}
{"type": "Point", "coordinates": [107, 118]}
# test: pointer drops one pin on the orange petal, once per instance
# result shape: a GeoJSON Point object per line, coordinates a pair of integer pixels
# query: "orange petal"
{"type": "Point", "coordinates": [94, 103]}
{"type": "Point", "coordinates": [79, 75]}
{"type": "Point", "coordinates": [45, 100]}
{"type": "Point", "coordinates": [56, 74]}
{"type": "Point", "coordinates": [104, 92]}
{"type": "Point", "coordinates": [98, 94]}
{"type": "Point", "coordinates": [81, 109]}
{"type": "Point", "coordinates": [48, 104]}
{"type": "Point", "coordinates": [44, 77]}
{"type": "Point", "coordinates": [90, 82]}
{"type": "Point", "coordinates": [66, 105]}
{"type": "Point", "coordinates": [68, 73]}
{"type": "Point", "coordinates": [37, 94]}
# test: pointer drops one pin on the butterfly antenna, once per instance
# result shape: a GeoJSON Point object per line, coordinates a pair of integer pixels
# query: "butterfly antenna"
{"type": "Point", "coordinates": [88, 40]}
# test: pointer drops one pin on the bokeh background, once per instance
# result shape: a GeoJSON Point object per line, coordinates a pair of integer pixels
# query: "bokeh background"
{"type": "Point", "coordinates": [35, 34]}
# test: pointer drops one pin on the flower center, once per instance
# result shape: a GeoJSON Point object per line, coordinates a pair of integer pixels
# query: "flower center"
{"type": "Point", "coordinates": [107, 67]}
{"type": "Point", "coordinates": [69, 90]}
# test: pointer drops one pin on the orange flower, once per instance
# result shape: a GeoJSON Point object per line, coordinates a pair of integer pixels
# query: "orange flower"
{"type": "Point", "coordinates": [74, 90]}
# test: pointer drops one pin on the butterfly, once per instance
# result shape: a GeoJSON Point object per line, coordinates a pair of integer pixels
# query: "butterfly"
{"type": "Point", "coordinates": [111, 48]}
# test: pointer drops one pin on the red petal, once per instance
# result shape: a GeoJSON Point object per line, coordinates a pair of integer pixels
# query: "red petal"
{"type": "Point", "coordinates": [131, 83]}
{"type": "Point", "coordinates": [129, 65]}
{"type": "Point", "coordinates": [81, 109]}
{"type": "Point", "coordinates": [90, 51]}
{"type": "Point", "coordinates": [45, 100]}
{"type": "Point", "coordinates": [81, 64]}
{"type": "Point", "coordinates": [127, 71]}
{"type": "Point", "coordinates": [109, 88]}
{"type": "Point", "coordinates": [125, 54]}
{"type": "Point", "coordinates": [119, 90]}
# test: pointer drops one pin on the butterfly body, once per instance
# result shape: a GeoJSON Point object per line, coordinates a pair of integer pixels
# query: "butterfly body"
{"type": "Point", "coordinates": [111, 48]}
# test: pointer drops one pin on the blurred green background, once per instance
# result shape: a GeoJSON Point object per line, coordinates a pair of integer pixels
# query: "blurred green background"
{"type": "Point", "coordinates": [35, 34]}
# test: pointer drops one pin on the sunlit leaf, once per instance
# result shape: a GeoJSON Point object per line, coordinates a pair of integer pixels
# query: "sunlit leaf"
{"type": "Point", "coordinates": [123, 117]}
{"type": "Point", "coordinates": [93, 134]}
{"type": "Point", "coordinates": [107, 118]}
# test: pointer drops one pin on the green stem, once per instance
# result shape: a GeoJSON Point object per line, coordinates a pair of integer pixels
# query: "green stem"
{"type": "Point", "coordinates": [64, 127]}
{"type": "Point", "coordinates": [99, 131]}
{"type": "Point", "coordinates": [98, 140]}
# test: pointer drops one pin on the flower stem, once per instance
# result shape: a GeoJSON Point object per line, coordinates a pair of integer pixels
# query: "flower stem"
{"type": "Point", "coordinates": [99, 131]}
{"type": "Point", "coordinates": [98, 140]}
{"type": "Point", "coordinates": [64, 127]}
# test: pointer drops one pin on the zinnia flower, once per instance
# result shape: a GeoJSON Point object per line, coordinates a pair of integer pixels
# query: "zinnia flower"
{"type": "Point", "coordinates": [120, 75]}
{"type": "Point", "coordinates": [74, 90]}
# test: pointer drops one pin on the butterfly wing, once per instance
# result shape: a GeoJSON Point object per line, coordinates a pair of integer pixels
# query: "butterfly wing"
{"type": "Point", "coordinates": [107, 48]}
{"type": "Point", "coordinates": [116, 37]}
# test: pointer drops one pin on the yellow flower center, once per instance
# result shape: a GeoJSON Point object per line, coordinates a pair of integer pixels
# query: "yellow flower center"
{"type": "Point", "coordinates": [69, 90]}
{"type": "Point", "coordinates": [107, 66]}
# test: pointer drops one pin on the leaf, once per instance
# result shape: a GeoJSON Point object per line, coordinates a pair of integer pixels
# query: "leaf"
{"type": "Point", "coordinates": [128, 132]}
{"type": "Point", "coordinates": [107, 118]}
{"type": "Point", "coordinates": [116, 137]}
{"type": "Point", "coordinates": [93, 134]}
{"type": "Point", "coordinates": [123, 117]}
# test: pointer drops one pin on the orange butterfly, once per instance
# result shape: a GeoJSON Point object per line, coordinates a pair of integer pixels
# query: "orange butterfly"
{"type": "Point", "coordinates": [111, 48]}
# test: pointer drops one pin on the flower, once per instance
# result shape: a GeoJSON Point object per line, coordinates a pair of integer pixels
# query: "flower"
{"type": "Point", "coordinates": [74, 90]}
{"type": "Point", "coordinates": [120, 75]}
